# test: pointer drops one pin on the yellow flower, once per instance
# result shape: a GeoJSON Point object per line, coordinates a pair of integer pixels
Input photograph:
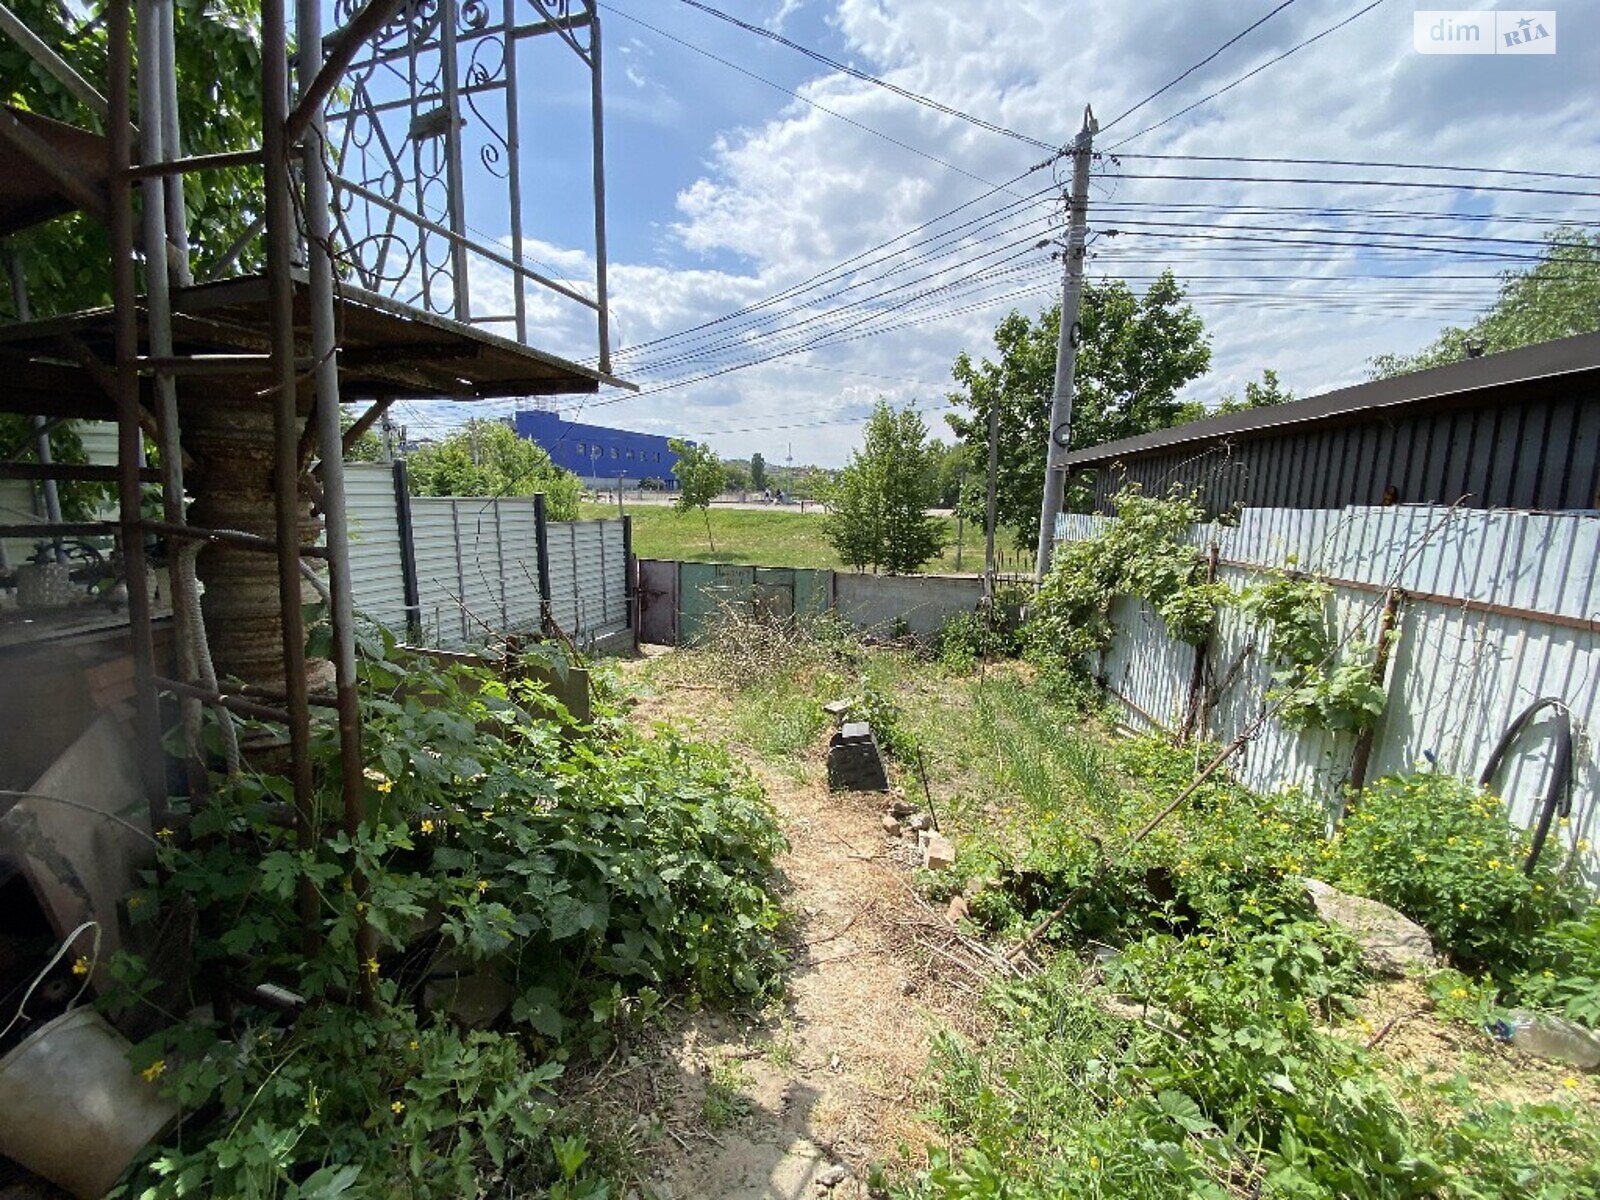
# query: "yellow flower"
{"type": "Point", "coordinates": [427, 825]}
{"type": "Point", "coordinates": [154, 1071]}
{"type": "Point", "coordinates": [1583, 844]}
{"type": "Point", "coordinates": [164, 833]}
{"type": "Point", "coordinates": [398, 1107]}
{"type": "Point", "coordinates": [386, 787]}
{"type": "Point", "coordinates": [1094, 1162]}
{"type": "Point", "coordinates": [1570, 1083]}
{"type": "Point", "coordinates": [483, 886]}
{"type": "Point", "coordinates": [135, 901]}
{"type": "Point", "coordinates": [1549, 974]}
{"type": "Point", "coordinates": [371, 965]}
{"type": "Point", "coordinates": [81, 967]}
{"type": "Point", "coordinates": [379, 780]}
{"type": "Point", "coordinates": [1451, 841]}
{"type": "Point", "coordinates": [1421, 857]}
{"type": "Point", "coordinates": [1459, 993]}
{"type": "Point", "coordinates": [1494, 864]}
{"type": "Point", "coordinates": [413, 1045]}
{"type": "Point", "coordinates": [1462, 907]}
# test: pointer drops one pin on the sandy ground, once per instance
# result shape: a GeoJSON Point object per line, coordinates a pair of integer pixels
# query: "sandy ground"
{"type": "Point", "coordinates": [829, 1078]}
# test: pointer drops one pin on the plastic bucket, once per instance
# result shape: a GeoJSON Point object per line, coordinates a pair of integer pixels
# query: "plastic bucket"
{"type": "Point", "coordinates": [71, 1107]}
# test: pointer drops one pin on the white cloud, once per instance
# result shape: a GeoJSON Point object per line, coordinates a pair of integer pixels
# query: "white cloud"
{"type": "Point", "coordinates": [794, 191]}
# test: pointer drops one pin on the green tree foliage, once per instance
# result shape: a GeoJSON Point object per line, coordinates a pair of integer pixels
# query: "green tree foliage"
{"type": "Point", "coordinates": [877, 507]}
{"type": "Point", "coordinates": [1559, 297]}
{"type": "Point", "coordinates": [79, 501]}
{"type": "Point", "coordinates": [951, 467]}
{"type": "Point", "coordinates": [1136, 353]}
{"type": "Point", "coordinates": [219, 106]}
{"type": "Point", "coordinates": [701, 479]}
{"type": "Point", "coordinates": [502, 464]}
{"type": "Point", "coordinates": [758, 471]}
{"type": "Point", "coordinates": [1266, 394]}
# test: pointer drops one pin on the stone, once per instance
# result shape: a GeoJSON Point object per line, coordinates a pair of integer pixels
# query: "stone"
{"type": "Point", "coordinates": [939, 854]}
{"type": "Point", "coordinates": [891, 826]}
{"type": "Point", "coordinates": [901, 807]}
{"type": "Point", "coordinates": [837, 709]}
{"type": "Point", "coordinates": [1391, 943]}
{"type": "Point", "coordinates": [832, 1177]}
{"type": "Point", "coordinates": [957, 911]}
{"type": "Point", "coordinates": [919, 821]}
{"type": "Point", "coordinates": [472, 1001]}
{"type": "Point", "coordinates": [908, 987]}
{"type": "Point", "coordinates": [855, 763]}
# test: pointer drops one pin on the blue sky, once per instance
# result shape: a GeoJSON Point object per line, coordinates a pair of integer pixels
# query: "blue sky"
{"type": "Point", "coordinates": [723, 190]}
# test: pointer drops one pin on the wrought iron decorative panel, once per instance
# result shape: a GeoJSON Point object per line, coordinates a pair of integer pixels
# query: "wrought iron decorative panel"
{"type": "Point", "coordinates": [429, 110]}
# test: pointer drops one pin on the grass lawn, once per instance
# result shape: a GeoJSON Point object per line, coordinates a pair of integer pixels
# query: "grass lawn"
{"type": "Point", "coordinates": [777, 537]}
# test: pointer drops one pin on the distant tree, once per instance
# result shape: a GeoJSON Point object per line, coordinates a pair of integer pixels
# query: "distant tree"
{"type": "Point", "coordinates": [368, 448]}
{"type": "Point", "coordinates": [758, 471]}
{"type": "Point", "coordinates": [878, 504]}
{"type": "Point", "coordinates": [1269, 392]}
{"type": "Point", "coordinates": [735, 477]}
{"type": "Point", "coordinates": [1134, 356]}
{"type": "Point", "coordinates": [1557, 298]}
{"type": "Point", "coordinates": [701, 479]}
{"type": "Point", "coordinates": [949, 465]}
{"type": "Point", "coordinates": [489, 459]}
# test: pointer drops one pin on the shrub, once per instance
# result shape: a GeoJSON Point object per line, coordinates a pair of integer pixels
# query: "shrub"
{"type": "Point", "coordinates": [1565, 970]}
{"type": "Point", "coordinates": [1446, 854]}
{"type": "Point", "coordinates": [591, 874]}
{"type": "Point", "coordinates": [966, 637]}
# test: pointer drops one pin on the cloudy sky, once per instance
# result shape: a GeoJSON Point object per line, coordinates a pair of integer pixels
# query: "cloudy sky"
{"type": "Point", "coordinates": [734, 181]}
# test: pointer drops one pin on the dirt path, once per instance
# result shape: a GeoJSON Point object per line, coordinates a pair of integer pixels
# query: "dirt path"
{"type": "Point", "coordinates": [825, 1086]}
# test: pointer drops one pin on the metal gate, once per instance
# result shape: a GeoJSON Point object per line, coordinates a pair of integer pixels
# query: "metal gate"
{"type": "Point", "coordinates": [658, 601]}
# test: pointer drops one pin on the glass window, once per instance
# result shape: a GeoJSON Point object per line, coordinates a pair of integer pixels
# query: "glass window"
{"type": "Point", "coordinates": [580, 448]}
{"type": "Point", "coordinates": [613, 452]}
{"type": "Point", "coordinates": [629, 455]}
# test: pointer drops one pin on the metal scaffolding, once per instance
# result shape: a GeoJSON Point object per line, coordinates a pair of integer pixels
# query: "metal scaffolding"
{"type": "Point", "coordinates": [320, 326]}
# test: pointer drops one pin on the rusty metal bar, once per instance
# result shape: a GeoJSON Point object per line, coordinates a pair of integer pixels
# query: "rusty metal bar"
{"type": "Point", "coordinates": [286, 464]}
{"type": "Point", "coordinates": [238, 704]}
{"type": "Point", "coordinates": [330, 439]}
{"type": "Point", "coordinates": [130, 434]}
{"type": "Point", "coordinates": [1362, 754]}
{"type": "Point", "coordinates": [46, 530]}
{"type": "Point", "coordinates": [1489, 607]}
{"type": "Point", "coordinates": [597, 118]}
{"type": "Point", "coordinates": [70, 472]}
{"type": "Point", "coordinates": [363, 423]}
{"type": "Point", "coordinates": [1192, 707]}
{"type": "Point", "coordinates": [196, 162]}
{"type": "Point", "coordinates": [314, 92]}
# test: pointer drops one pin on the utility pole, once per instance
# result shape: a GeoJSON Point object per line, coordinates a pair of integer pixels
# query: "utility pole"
{"type": "Point", "coordinates": [1055, 471]}
{"type": "Point", "coordinates": [472, 433]}
{"type": "Point", "coordinates": [991, 498]}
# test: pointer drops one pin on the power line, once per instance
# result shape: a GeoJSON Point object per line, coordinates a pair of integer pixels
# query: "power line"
{"type": "Point", "coordinates": [1346, 162]}
{"type": "Point", "coordinates": [748, 322]}
{"type": "Point", "coordinates": [837, 268]}
{"type": "Point", "coordinates": [1171, 83]}
{"type": "Point", "coordinates": [745, 71]}
{"type": "Point", "coordinates": [1505, 189]}
{"type": "Point", "coordinates": [1296, 48]}
{"type": "Point", "coordinates": [865, 77]}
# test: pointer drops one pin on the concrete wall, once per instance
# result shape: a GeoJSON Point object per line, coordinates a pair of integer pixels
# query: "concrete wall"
{"type": "Point", "coordinates": [877, 603]}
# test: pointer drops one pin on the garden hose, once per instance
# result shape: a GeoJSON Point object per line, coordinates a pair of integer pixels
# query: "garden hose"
{"type": "Point", "coordinates": [1559, 794]}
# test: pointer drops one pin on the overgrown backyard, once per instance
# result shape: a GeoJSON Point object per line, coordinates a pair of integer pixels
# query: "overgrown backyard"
{"type": "Point", "coordinates": [1187, 1025]}
{"type": "Point", "coordinates": [654, 955]}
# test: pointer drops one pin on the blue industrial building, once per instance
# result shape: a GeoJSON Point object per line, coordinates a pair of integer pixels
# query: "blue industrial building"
{"type": "Point", "coordinates": [597, 454]}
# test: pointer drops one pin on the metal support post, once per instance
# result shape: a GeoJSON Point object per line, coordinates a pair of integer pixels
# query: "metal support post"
{"type": "Point", "coordinates": [330, 441]}
{"type": "Point", "coordinates": [286, 437]}
{"type": "Point", "coordinates": [1055, 470]}
{"type": "Point", "coordinates": [597, 117]}
{"type": "Point", "coordinates": [130, 436]}
{"type": "Point", "coordinates": [41, 427]}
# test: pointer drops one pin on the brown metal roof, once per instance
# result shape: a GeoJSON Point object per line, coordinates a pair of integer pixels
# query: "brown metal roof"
{"type": "Point", "coordinates": [28, 193]}
{"type": "Point", "coordinates": [387, 350]}
{"type": "Point", "coordinates": [1465, 382]}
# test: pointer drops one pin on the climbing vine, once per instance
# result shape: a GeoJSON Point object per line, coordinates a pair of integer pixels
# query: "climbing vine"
{"type": "Point", "coordinates": [1319, 683]}
{"type": "Point", "coordinates": [1320, 679]}
{"type": "Point", "coordinates": [1145, 552]}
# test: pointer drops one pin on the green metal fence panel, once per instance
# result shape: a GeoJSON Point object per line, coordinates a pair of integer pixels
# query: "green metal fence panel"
{"type": "Point", "coordinates": [704, 589]}
{"type": "Point", "coordinates": [813, 592]}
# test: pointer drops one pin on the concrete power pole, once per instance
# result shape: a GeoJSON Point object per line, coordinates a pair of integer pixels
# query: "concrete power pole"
{"type": "Point", "coordinates": [1055, 471]}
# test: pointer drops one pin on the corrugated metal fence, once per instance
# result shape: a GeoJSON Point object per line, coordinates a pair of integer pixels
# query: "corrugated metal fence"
{"type": "Point", "coordinates": [1498, 608]}
{"type": "Point", "coordinates": [477, 565]}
